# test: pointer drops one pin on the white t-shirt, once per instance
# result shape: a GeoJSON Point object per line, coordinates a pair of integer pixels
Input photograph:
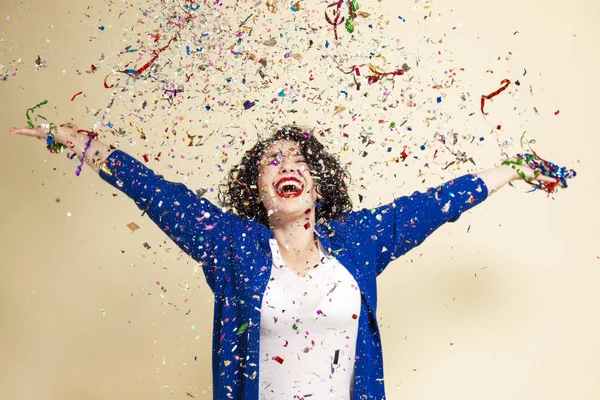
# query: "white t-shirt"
{"type": "Point", "coordinates": [309, 327]}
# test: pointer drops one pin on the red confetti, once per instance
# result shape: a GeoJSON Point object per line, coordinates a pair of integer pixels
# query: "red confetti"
{"type": "Point", "coordinates": [336, 19]}
{"type": "Point", "coordinates": [278, 359]}
{"type": "Point", "coordinates": [307, 225]}
{"type": "Point", "coordinates": [370, 78]}
{"type": "Point", "coordinates": [504, 83]}
{"type": "Point", "coordinates": [446, 167]}
{"type": "Point", "coordinates": [106, 85]}
{"type": "Point", "coordinates": [354, 316]}
{"type": "Point", "coordinates": [378, 75]}
{"type": "Point", "coordinates": [75, 95]}
{"type": "Point", "coordinates": [155, 54]}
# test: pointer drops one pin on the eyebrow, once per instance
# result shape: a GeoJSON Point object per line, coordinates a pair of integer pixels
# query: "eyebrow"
{"type": "Point", "coordinates": [274, 153]}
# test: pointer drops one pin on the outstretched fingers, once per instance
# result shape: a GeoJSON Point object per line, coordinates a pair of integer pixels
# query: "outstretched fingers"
{"type": "Point", "coordinates": [31, 132]}
{"type": "Point", "coordinates": [547, 179]}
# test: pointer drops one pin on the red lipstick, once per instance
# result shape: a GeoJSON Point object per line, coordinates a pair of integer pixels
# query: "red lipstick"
{"type": "Point", "coordinates": [289, 187]}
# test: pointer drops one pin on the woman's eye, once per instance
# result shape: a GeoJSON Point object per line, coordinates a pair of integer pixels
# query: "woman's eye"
{"type": "Point", "coordinates": [275, 160]}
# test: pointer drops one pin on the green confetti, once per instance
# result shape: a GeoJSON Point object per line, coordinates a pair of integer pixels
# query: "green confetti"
{"type": "Point", "coordinates": [242, 328]}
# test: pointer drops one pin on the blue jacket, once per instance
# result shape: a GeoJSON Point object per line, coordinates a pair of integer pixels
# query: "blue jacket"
{"type": "Point", "coordinates": [236, 259]}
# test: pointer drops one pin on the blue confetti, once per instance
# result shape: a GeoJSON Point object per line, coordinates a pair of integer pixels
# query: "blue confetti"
{"type": "Point", "coordinates": [439, 99]}
{"type": "Point", "coordinates": [248, 104]}
{"type": "Point", "coordinates": [101, 28]}
{"type": "Point", "coordinates": [187, 50]}
{"type": "Point", "coordinates": [401, 19]}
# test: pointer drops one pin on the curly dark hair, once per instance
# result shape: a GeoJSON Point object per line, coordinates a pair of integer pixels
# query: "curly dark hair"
{"type": "Point", "coordinates": [240, 193]}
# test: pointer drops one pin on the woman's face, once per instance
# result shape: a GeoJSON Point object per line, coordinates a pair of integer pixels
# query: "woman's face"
{"type": "Point", "coordinates": [286, 187]}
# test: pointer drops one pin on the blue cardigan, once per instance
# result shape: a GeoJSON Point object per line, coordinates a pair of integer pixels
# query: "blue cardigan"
{"type": "Point", "coordinates": [236, 259]}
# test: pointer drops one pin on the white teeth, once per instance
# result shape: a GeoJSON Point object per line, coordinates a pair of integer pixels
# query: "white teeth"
{"type": "Point", "coordinates": [297, 185]}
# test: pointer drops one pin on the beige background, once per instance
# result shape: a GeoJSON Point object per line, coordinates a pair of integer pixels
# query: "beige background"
{"type": "Point", "coordinates": [502, 304]}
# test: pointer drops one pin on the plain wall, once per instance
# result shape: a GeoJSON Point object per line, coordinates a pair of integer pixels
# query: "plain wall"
{"type": "Point", "coordinates": [502, 304]}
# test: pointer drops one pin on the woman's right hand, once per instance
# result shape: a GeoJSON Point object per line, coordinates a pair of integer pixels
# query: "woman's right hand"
{"type": "Point", "coordinates": [77, 140]}
{"type": "Point", "coordinates": [66, 134]}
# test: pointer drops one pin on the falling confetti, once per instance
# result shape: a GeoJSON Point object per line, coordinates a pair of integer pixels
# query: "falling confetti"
{"type": "Point", "coordinates": [133, 226]}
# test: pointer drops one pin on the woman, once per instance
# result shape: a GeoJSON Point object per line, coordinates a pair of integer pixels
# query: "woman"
{"type": "Point", "coordinates": [293, 270]}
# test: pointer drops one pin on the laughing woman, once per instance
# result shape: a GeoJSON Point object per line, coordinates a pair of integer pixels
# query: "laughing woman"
{"type": "Point", "coordinates": [293, 269]}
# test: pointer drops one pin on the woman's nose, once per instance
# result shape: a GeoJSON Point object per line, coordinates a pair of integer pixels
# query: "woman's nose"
{"type": "Point", "coordinates": [285, 165]}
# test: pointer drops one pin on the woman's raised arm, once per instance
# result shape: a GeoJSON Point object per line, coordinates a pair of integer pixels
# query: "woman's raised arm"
{"type": "Point", "coordinates": [395, 228]}
{"type": "Point", "coordinates": [198, 227]}
{"type": "Point", "coordinates": [73, 138]}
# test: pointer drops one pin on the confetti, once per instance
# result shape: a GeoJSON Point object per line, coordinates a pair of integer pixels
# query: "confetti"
{"type": "Point", "coordinates": [188, 73]}
{"type": "Point", "coordinates": [242, 328]}
{"type": "Point", "coordinates": [504, 83]}
{"type": "Point", "coordinates": [278, 359]}
{"type": "Point", "coordinates": [542, 167]}
{"type": "Point", "coordinates": [75, 95]}
{"type": "Point", "coordinates": [133, 226]}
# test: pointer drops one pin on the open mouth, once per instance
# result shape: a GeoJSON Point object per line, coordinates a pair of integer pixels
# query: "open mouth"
{"type": "Point", "coordinates": [289, 187]}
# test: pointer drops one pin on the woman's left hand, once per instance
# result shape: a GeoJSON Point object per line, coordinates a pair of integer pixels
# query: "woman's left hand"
{"type": "Point", "coordinates": [496, 178]}
{"type": "Point", "coordinates": [524, 172]}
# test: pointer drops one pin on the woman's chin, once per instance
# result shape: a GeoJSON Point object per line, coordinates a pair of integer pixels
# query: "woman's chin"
{"type": "Point", "coordinates": [291, 209]}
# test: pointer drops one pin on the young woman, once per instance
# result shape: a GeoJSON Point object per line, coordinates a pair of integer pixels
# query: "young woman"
{"type": "Point", "coordinates": [292, 267]}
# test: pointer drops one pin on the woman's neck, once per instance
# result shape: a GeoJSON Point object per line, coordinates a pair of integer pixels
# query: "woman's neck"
{"type": "Point", "coordinates": [297, 242]}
